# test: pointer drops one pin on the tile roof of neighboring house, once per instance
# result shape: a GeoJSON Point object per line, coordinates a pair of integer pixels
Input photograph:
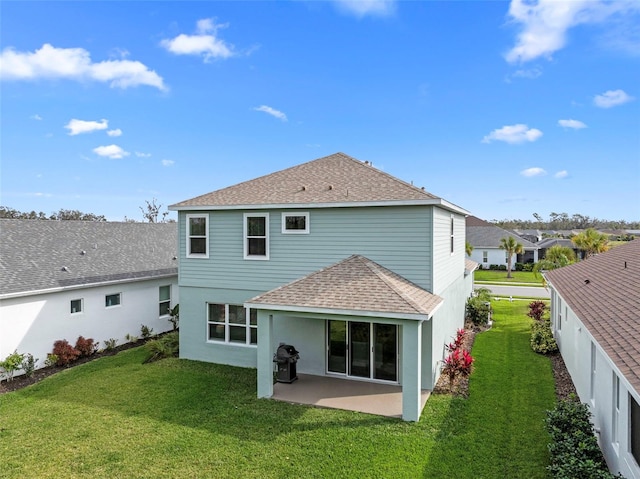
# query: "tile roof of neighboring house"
{"type": "Point", "coordinates": [331, 180]}
{"type": "Point", "coordinates": [354, 284]}
{"type": "Point", "coordinates": [481, 234]}
{"type": "Point", "coordinates": [604, 292]}
{"type": "Point", "coordinates": [37, 255]}
{"type": "Point", "coordinates": [549, 242]}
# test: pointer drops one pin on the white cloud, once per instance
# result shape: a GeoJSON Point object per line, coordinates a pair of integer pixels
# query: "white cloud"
{"type": "Point", "coordinates": [545, 23]}
{"type": "Point", "coordinates": [513, 134]}
{"type": "Point", "coordinates": [167, 162]}
{"type": "Point", "coordinates": [612, 98]}
{"type": "Point", "coordinates": [361, 8]}
{"type": "Point", "coordinates": [75, 64]}
{"type": "Point", "coordinates": [116, 132]}
{"type": "Point", "coordinates": [77, 127]}
{"type": "Point", "coordinates": [575, 124]}
{"type": "Point", "coordinates": [530, 172]}
{"type": "Point", "coordinates": [139, 154]}
{"type": "Point", "coordinates": [36, 117]}
{"type": "Point", "coordinates": [561, 174]}
{"type": "Point", "coordinates": [112, 151]}
{"type": "Point", "coordinates": [205, 42]}
{"type": "Point", "coordinates": [272, 111]}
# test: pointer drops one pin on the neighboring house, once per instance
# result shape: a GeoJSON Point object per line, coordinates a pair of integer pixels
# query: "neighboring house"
{"type": "Point", "coordinates": [547, 243]}
{"type": "Point", "coordinates": [595, 315]}
{"type": "Point", "coordinates": [363, 273]}
{"type": "Point", "coordinates": [100, 280]}
{"type": "Point", "coordinates": [530, 235]}
{"type": "Point", "coordinates": [485, 238]}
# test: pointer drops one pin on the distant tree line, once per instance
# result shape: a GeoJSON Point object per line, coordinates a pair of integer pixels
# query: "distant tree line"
{"type": "Point", "coordinates": [562, 221]}
{"type": "Point", "coordinates": [150, 212]}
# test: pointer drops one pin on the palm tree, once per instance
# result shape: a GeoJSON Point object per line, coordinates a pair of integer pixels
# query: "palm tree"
{"type": "Point", "coordinates": [511, 246]}
{"type": "Point", "coordinates": [556, 257]}
{"type": "Point", "coordinates": [591, 242]}
{"type": "Point", "coordinates": [468, 248]}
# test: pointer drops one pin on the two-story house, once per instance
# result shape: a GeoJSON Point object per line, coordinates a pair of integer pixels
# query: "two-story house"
{"type": "Point", "coordinates": [364, 273]}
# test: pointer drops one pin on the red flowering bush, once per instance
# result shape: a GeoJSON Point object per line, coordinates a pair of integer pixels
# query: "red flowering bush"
{"type": "Point", "coordinates": [537, 310]}
{"type": "Point", "coordinates": [65, 353]}
{"type": "Point", "coordinates": [458, 363]}
{"type": "Point", "coordinates": [86, 347]}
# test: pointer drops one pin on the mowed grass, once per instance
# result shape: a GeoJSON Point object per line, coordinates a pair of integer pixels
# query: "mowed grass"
{"type": "Point", "coordinates": [118, 418]}
{"type": "Point", "coordinates": [497, 276]}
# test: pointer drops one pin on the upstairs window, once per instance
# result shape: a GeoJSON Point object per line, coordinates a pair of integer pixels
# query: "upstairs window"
{"type": "Point", "coordinates": [295, 223]}
{"type": "Point", "coordinates": [634, 425]}
{"type": "Point", "coordinates": [111, 300]}
{"type": "Point", "coordinates": [256, 236]}
{"type": "Point", "coordinates": [76, 306]}
{"type": "Point", "coordinates": [197, 236]}
{"type": "Point", "coordinates": [452, 236]}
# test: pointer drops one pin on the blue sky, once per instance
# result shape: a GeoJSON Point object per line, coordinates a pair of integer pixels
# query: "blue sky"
{"type": "Point", "coordinates": [503, 108]}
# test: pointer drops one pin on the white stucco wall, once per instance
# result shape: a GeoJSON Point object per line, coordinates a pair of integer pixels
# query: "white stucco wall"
{"type": "Point", "coordinates": [31, 324]}
{"type": "Point", "coordinates": [597, 389]}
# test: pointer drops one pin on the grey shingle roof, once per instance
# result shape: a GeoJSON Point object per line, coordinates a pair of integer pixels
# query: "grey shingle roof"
{"type": "Point", "coordinates": [481, 234]}
{"type": "Point", "coordinates": [333, 179]}
{"type": "Point", "coordinates": [609, 303]}
{"type": "Point", "coordinates": [355, 284]}
{"type": "Point", "coordinates": [33, 253]}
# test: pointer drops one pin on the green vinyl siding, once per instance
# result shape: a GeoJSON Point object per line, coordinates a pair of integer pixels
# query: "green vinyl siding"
{"type": "Point", "coordinates": [396, 237]}
{"type": "Point", "coordinates": [448, 267]}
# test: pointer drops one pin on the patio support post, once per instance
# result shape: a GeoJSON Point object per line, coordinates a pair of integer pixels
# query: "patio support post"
{"type": "Point", "coordinates": [265, 355]}
{"type": "Point", "coordinates": [411, 370]}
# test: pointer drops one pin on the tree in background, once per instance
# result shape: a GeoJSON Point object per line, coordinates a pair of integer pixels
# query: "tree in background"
{"type": "Point", "coordinates": [151, 212]}
{"type": "Point", "coordinates": [591, 242]}
{"type": "Point", "coordinates": [556, 257]}
{"type": "Point", "coordinates": [61, 215]}
{"type": "Point", "coordinates": [468, 248]}
{"type": "Point", "coordinates": [511, 246]}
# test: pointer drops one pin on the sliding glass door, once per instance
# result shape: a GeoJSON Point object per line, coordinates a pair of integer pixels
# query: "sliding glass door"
{"type": "Point", "coordinates": [363, 350]}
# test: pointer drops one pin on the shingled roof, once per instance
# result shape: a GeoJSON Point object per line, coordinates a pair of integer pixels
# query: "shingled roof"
{"type": "Point", "coordinates": [481, 234]}
{"type": "Point", "coordinates": [604, 292]}
{"type": "Point", "coordinates": [42, 255]}
{"type": "Point", "coordinates": [357, 285]}
{"type": "Point", "coordinates": [337, 179]}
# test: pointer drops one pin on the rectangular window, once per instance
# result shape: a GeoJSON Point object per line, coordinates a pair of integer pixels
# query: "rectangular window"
{"type": "Point", "coordinates": [452, 238]}
{"type": "Point", "coordinates": [295, 223]}
{"type": "Point", "coordinates": [112, 300]}
{"type": "Point", "coordinates": [164, 296]}
{"type": "Point", "coordinates": [76, 306]}
{"type": "Point", "coordinates": [485, 256]}
{"type": "Point", "coordinates": [634, 425]}
{"type": "Point", "coordinates": [560, 317]}
{"type": "Point", "coordinates": [232, 323]}
{"type": "Point", "coordinates": [256, 235]}
{"type": "Point", "coordinates": [197, 236]}
{"type": "Point", "coordinates": [616, 410]}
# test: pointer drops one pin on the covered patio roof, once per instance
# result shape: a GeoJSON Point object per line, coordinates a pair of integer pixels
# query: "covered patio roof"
{"type": "Point", "coordinates": [354, 286]}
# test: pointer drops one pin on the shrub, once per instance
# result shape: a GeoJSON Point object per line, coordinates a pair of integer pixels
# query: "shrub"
{"type": "Point", "coordinates": [29, 364]}
{"type": "Point", "coordinates": [174, 316]}
{"type": "Point", "coordinates": [52, 360]}
{"type": "Point", "coordinates": [86, 347]}
{"type": "Point", "coordinates": [165, 347]}
{"type": "Point", "coordinates": [457, 342]}
{"type": "Point", "coordinates": [478, 307]}
{"type": "Point", "coordinates": [542, 340]}
{"type": "Point", "coordinates": [537, 309]}
{"type": "Point", "coordinates": [10, 365]}
{"type": "Point", "coordinates": [574, 448]}
{"type": "Point", "coordinates": [110, 344]}
{"type": "Point", "coordinates": [131, 338]}
{"type": "Point", "coordinates": [458, 363]}
{"type": "Point", "coordinates": [145, 331]}
{"type": "Point", "coordinates": [65, 352]}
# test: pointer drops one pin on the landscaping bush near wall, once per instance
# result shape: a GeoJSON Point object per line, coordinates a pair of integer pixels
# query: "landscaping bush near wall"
{"type": "Point", "coordinates": [574, 448]}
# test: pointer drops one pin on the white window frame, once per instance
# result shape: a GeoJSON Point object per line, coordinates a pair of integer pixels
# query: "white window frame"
{"type": "Point", "coordinates": [188, 236]}
{"type": "Point", "coordinates": [485, 256]}
{"type": "Point", "coordinates": [633, 432]}
{"type": "Point", "coordinates": [161, 301]}
{"type": "Point", "coordinates": [593, 373]}
{"type": "Point", "coordinates": [285, 231]}
{"type": "Point", "coordinates": [245, 237]}
{"type": "Point", "coordinates": [73, 313]}
{"type": "Point", "coordinates": [228, 325]}
{"type": "Point", "coordinates": [119, 295]}
{"type": "Point", "coordinates": [452, 236]}
{"type": "Point", "coordinates": [615, 423]}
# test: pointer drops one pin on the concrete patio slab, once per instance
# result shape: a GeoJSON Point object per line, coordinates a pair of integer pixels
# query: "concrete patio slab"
{"type": "Point", "coordinates": [347, 394]}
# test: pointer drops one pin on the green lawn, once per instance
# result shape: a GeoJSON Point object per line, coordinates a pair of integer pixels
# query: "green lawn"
{"type": "Point", "coordinates": [118, 418]}
{"type": "Point", "coordinates": [490, 276]}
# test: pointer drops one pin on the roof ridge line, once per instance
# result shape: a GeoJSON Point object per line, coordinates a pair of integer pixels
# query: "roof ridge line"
{"type": "Point", "coordinates": [374, 269]}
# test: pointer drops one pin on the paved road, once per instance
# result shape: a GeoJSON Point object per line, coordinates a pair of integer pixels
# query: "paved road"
{"type": "Point", "coordinates": [508, 290]}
